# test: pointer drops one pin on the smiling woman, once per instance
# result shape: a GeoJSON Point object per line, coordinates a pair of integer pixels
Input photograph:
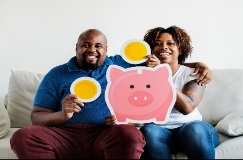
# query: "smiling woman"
{"type": "Point", "coordinates": [172, 46]}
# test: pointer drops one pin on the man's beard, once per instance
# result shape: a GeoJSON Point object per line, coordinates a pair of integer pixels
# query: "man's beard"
{"type": "Point", "coordinates": [88, 66]}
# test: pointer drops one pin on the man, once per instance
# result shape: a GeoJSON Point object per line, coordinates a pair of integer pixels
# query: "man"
{"type": "Point", "coordinates": [64, 127]}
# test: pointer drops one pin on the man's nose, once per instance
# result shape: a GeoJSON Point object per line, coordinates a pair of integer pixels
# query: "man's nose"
{"type": "Point", "coordinates": [92, 48]}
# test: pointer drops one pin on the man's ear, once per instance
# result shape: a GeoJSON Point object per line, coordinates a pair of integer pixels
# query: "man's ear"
{"type": "Point", "coordinates": [76, 47]}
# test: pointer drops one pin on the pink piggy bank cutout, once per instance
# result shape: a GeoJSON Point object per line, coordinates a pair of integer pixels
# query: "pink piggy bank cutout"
{"type": "Point", "coordinates": [140, 94]}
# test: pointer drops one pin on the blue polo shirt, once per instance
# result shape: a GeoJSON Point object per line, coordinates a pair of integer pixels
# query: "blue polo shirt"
{"type": "Point", "coordinates": [55, 86]}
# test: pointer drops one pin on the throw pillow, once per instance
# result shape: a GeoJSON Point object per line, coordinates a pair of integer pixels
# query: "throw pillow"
{"type": "Point", "coordinates": [21, 92]}
{"type": "Point", "coordinates": [231, 125]}
{"type": "Point", "coordinates": [4, 121]}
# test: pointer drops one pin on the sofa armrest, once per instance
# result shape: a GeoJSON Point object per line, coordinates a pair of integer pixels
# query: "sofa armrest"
{"type": "Point", "coordinates": [4, 120]}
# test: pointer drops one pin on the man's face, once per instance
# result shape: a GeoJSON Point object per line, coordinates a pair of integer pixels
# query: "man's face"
{"type": "Point", "coordinates": [91, 50]}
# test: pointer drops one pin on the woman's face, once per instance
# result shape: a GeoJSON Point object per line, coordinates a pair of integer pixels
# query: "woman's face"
{"type": "Point", "coordinates": [165, 49]}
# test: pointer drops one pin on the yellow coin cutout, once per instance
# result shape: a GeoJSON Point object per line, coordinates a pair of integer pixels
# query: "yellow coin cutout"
{"type": "Point", "coordinates": [134, 51]}
{"type": "Point", "coordinates": [86, 89]}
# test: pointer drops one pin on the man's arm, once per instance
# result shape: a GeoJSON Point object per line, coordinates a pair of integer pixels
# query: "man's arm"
{"type": "Point", "coordinates": [204, 71]}
{"type": "Point", "coordinates": [45, 117]}
{"type": "Point", "coordinates": [201, 68]}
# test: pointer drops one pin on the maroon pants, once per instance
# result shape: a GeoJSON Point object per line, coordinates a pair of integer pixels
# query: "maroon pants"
{"type": "Point", "coordinates": [78, 141]}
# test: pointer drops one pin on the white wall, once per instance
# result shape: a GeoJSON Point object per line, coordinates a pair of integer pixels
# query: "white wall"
{"type": "Point", "coordinates": [36, 35]}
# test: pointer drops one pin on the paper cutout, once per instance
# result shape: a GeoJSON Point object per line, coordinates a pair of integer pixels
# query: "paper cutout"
{"type": "Point", "coordinates": [140, 94]}
{"type": "Point", "coordinates": [134, 51]}
{"type": "Point", "coordinates": [86, 89]}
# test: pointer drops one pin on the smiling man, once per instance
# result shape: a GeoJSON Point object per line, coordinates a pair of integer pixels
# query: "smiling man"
{"type": "Point", "coordinates": [91, 49]}
{"type": "Point", "coordinates": [63, 126]}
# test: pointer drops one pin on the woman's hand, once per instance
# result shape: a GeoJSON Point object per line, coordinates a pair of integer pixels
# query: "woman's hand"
{"type": "Point", "coordinates": [152, 61]}
{"type": "Point", "coordinates": [205, 73]}
{"type": "Point", "coordinates": [110, 120]}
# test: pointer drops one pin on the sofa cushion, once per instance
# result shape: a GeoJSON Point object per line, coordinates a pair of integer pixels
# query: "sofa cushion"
{"type": "Point", "coordinates": [231, 125]}
{"type": "Point", "coordinates": [21, 92]}
{"type": "Point", "coordinates": [230, 148]}
{"type": "Point", "coordinates": [4, 120]}
{"type": "Point", "coordinates": [5, 150]}
{"type": "Point", "coordinates": [223, 95]}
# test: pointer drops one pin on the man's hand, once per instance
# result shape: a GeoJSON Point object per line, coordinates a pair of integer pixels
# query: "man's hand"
{"type": "Point", "coordinates": [70, 105]}
{"type": "Point", "coordinates": [110, 120]}
{"type": "Point", "coordinates": [205, 73]}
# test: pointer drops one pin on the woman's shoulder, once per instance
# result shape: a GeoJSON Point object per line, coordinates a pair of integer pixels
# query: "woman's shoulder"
{"type": "Point", "coordinates": [184, 72]}
{"type": "Point", "coordinates": [186, 69]}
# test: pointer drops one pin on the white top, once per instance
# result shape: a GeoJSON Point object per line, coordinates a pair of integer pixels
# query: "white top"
{"type": "Point", "coordinates": [177, 119]}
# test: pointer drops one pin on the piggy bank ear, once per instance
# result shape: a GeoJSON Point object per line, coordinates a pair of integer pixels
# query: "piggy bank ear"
{"type": "Point", "coordinates": [115, 73]}
{"type": "Point", "coordinates": [163, 71]}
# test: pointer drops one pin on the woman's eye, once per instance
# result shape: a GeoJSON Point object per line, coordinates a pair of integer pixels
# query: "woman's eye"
{"type": "Point", "coordinates": [170, 43]}
{"type": "Point", "coordinates": [157, 44]}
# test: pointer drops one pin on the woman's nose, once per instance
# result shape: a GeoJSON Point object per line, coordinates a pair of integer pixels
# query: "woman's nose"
{"type": "Point", "coordinates": [163, 46]}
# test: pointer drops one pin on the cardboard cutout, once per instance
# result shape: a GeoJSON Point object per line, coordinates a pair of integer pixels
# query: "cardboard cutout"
{"type": "Point", "coordinates": [140, 94]}
{"type": "Point", "coordinates": [86, 89]}
{"type": "Point", "coordinates": [134, 51]}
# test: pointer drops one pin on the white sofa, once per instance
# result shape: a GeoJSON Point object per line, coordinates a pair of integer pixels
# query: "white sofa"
{"type": "Point", "coordinates": [221, 106]}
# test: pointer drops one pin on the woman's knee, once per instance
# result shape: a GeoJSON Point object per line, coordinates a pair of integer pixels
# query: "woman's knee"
{"type": "Point", "coordinates": [197, 131]}
{"type": "Point", "coordinates": [153, 130]}
{"type": "Point", "coordinates": [195, 127]}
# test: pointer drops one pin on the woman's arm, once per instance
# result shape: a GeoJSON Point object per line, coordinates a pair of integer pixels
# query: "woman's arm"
{"type": "Point", "coordinates": [189, 98]}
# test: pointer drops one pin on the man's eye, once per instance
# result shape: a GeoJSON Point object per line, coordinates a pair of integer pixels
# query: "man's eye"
{"type": "Point", "coordinates": [84, 45]}
{"type": "Point", "coordinates": [98, 46]}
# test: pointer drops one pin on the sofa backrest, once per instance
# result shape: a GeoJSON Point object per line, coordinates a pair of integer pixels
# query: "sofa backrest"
{"type": "Point", "coordinates": [224, 95]}
{"type": "Point", "coordinates": [21, 91]}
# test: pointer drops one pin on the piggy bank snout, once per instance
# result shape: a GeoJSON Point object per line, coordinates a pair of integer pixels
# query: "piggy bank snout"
{"type": "Point", "coordinates": [140, 98]}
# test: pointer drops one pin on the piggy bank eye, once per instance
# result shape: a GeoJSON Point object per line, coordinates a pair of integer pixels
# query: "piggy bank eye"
{"type": "Point", "coordinates": [148, 86]}
{"type": "Point", "coordinates": [131, 86]}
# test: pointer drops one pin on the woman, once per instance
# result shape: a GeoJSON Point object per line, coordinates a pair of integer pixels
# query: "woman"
{"type": "Point", "coordinates": [184, 130]}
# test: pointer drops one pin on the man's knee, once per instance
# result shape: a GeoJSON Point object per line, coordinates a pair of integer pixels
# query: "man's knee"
{"type": "Point", "coordinates": [129, 132]}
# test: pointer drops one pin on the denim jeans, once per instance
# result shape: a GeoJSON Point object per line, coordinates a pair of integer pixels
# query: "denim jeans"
{"type": "Point", "coordinates": [197, 139]}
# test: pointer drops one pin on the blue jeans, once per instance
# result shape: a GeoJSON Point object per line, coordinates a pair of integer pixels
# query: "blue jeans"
{"type": "Point", "coordinates": [197, 139]}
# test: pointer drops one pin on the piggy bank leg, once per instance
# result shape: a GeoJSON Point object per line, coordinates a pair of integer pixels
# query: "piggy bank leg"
{"type": "Point", "coordinates": [120, 117]}
{"type": "Point", "coordinates": [161, 116]}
